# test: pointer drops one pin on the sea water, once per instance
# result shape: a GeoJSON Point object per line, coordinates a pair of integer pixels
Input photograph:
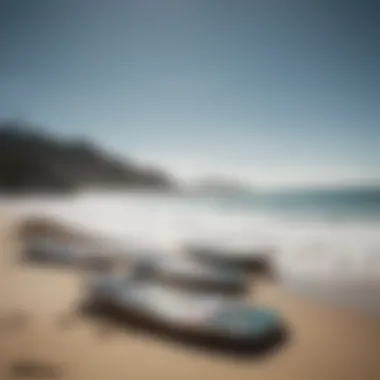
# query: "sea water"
{"type": "Point", "coordinates": [326, 242]}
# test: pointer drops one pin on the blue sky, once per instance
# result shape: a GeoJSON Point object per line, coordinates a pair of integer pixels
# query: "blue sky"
{"type": "Point", "coordinates": [275, 92]}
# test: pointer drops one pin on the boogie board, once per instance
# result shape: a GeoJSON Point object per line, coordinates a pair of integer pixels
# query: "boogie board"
{"type": "Point", "coordinates": [229, 320]}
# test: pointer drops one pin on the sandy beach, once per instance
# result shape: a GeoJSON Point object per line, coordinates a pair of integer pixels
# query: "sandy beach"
{"type": "Point", "coordinates": [37, 323]}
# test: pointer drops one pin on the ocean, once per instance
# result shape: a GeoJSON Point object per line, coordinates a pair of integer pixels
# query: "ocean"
{"type": "Point", "coordinates": [326, 242]}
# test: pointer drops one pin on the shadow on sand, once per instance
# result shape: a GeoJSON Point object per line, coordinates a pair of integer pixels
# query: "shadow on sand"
{"type": "Point", "coordinates": [16, 320]}
{"type": "Point", "coordinates": [33, 369]}
{"type": "Point", "coordinates": [114, 319]}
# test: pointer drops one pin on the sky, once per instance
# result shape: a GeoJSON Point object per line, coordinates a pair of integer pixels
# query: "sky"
{"type": "Point", "coordinates": [272, 92]}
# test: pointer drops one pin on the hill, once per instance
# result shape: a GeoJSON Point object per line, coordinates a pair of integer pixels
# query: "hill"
{"type": "Point", "coordinates": [31, 161]}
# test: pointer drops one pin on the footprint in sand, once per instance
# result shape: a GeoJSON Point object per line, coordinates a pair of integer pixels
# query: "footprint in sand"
{"type": "Point", "coordinates": [15, 321]}
{"type": "Point", "coordinates": [66, 321]}
{"type": "Point", "coordinates": [33, 369]}
{"type": "Point", "coordinates": [105, 332]}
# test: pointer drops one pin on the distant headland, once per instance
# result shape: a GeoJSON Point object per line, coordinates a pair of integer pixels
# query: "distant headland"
{"type": "Point", "coordinates": [33, 161]}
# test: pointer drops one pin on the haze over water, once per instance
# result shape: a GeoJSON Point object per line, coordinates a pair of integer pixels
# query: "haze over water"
{"type": "Point", "coordinates": [264, 91]}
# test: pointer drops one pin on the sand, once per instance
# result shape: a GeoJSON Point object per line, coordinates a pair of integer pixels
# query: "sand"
{"type": "Point", "coordinates": [326, 342]}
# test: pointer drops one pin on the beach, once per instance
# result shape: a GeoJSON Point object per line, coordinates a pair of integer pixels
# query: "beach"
{"type": "Point", "coordinates": [325, 341]}
{"type": "Point", "coordinates": [180, 173]}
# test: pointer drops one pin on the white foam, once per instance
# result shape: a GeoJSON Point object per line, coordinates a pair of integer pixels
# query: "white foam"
{"type": "Point", "coordinates": [314, 251]}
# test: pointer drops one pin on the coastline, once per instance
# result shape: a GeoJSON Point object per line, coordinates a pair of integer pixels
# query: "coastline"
{"type": "Point", "coordinates": [326, 341]}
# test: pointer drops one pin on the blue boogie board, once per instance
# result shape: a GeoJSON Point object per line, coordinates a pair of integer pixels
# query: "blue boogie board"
{"type": "Point", "coordinates": [248, 260]}
{"type": "Point", "coordinates": [55, 251]}
{"type": "Point", "coordinates": [183, 271]}
{"type": "Point", "coordinates": [226, 320]}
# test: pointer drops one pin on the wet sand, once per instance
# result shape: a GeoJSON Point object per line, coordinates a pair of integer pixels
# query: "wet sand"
{"type": "Point", "coordinates": [42, 337]}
